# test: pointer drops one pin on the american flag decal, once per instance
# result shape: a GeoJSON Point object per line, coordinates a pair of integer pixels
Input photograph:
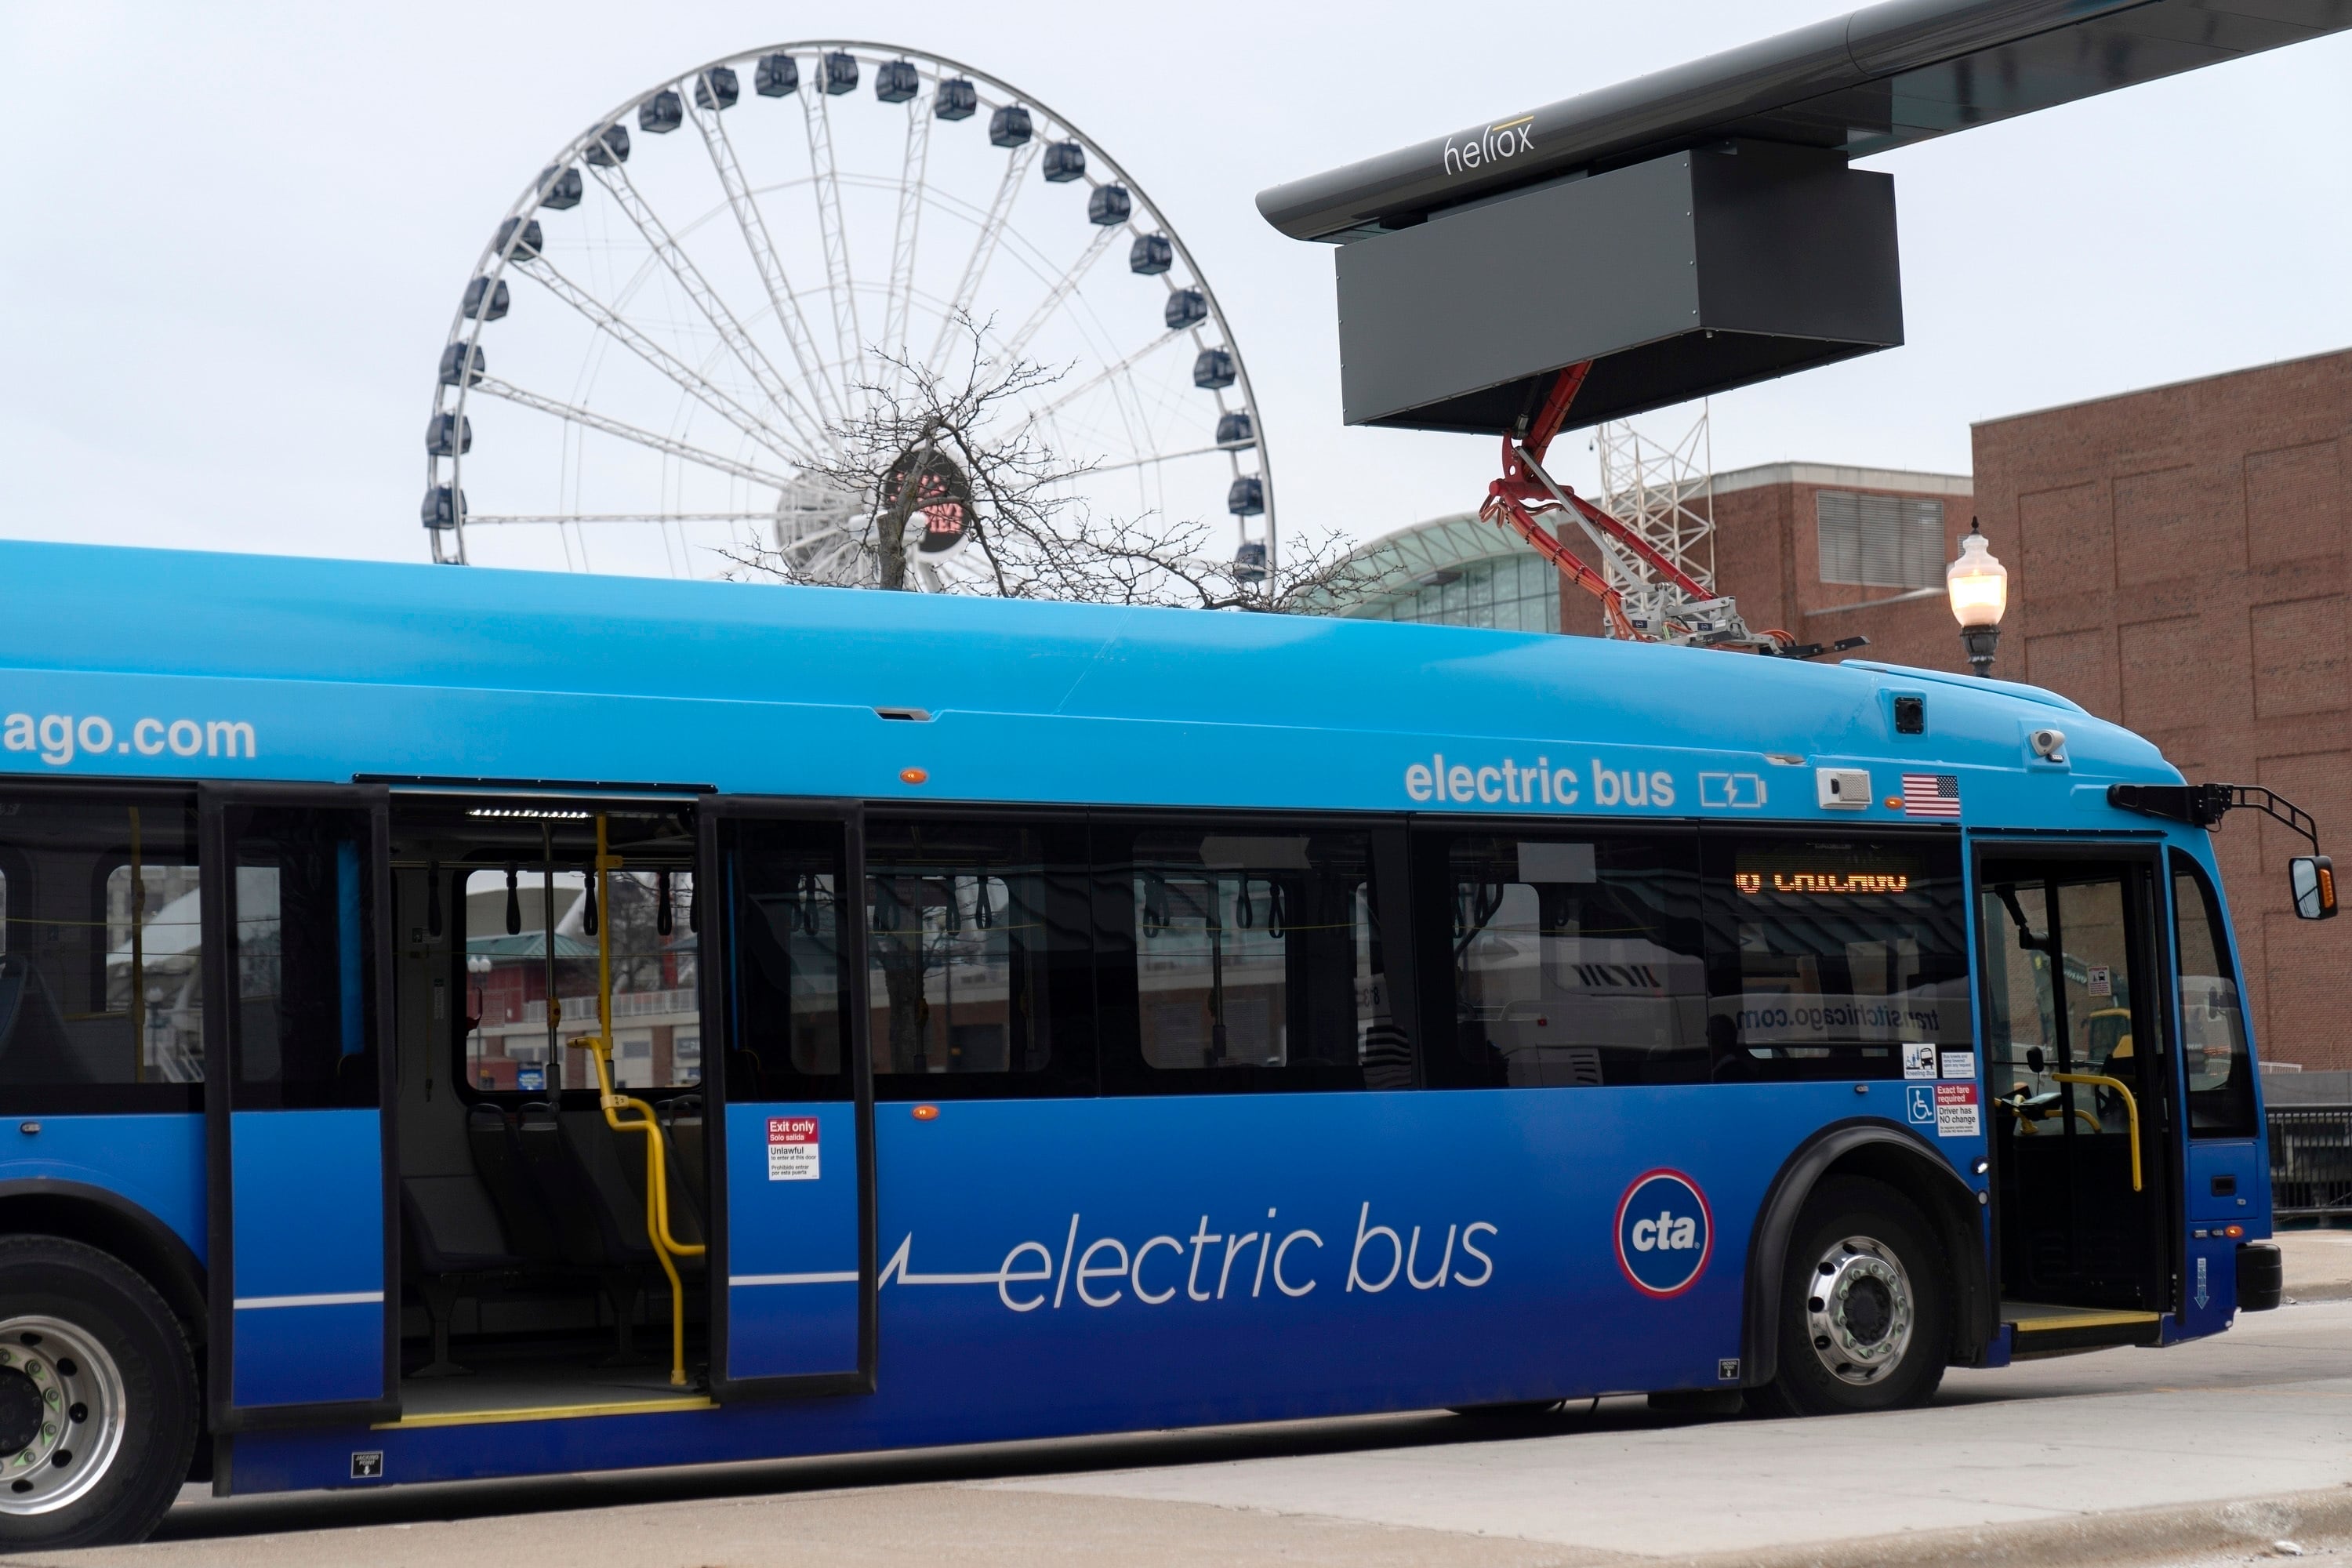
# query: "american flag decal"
{"type": "Point", "coordinates": [1931, 794]}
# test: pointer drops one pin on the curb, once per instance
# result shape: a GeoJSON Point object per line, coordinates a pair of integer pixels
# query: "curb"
{"type": "Point", "coordinates": [2138, 1535]}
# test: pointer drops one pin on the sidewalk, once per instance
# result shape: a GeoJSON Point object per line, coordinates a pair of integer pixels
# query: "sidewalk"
{"type": "Point", "coordinates": [2036, 1462]}
{"type": "Point", "coordinates": [2318, 1264]}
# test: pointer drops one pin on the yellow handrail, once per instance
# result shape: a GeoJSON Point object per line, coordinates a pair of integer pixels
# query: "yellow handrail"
{"type": "Point", "coordinates": [600, 1051]}
{"type": "Point", "coordinates": [2131, 1109]}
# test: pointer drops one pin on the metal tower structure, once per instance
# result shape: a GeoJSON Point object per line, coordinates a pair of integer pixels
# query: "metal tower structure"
{"type": "Point", "coordinates": [1663, 491]}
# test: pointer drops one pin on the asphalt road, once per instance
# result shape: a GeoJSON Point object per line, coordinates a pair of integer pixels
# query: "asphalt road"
{"type": "Point", "coordinates": [2265, 1409]}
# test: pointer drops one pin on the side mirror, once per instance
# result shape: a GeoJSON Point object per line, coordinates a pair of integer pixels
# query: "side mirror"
{"type": "Point", "coordinates": [2312, 878]}
{"type": "Point", "coordinates": [2035, 1062]}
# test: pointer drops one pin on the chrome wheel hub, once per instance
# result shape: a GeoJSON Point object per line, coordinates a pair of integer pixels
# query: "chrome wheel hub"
{"type": "Point", "coordinates": [1859, 1310]}
{"type": "Point", "coordinates": [61, 1413]}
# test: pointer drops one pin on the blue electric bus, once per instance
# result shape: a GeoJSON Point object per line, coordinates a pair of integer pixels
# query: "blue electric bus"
{"type": "Point", "coordinates": [478, 1024]}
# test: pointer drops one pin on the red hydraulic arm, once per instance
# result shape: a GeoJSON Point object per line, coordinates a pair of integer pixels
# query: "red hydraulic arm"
{"type": "Point", "coordinates": [1508, 496]}
{"type": "Point", "coordinates": [1526, 492]}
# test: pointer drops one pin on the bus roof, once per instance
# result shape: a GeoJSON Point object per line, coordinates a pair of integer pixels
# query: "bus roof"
{"type": "Point", "coordinates": [484, 673]}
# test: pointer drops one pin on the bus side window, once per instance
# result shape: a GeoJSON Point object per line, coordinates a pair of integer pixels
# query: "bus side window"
{"type": "Point", "coordinates": [1241, 956]}
{"type": "Point", "coordinates": [657, 1002]}
{"type": "Point", "coordinates": [304, 1024]}
{"type": "Point", "coordinates": [2213, 1019]}
{"type": "Point", "coordinates": [101, 950]}
{"type": "Point", "coordinates": [977, 959]}
{"type": "Point", "coordinates": [1826, 955]}
{"type": "Point", "coordinates": [788, 993]}
{"type": "Point", "coordinates": [1573, 960]}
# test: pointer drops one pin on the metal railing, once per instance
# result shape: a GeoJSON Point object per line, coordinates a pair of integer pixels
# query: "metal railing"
{"type": "Point", "coordinates": [2310, 1161]}
{"type": "Point", "coordinates": [580, 1011]}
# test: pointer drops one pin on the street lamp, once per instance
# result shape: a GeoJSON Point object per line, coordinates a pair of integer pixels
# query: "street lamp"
{"type": "Point", "coordinates": [1979, 587]}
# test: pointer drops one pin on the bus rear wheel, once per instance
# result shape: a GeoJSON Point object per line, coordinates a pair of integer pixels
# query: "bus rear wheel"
{"type": "Point", "coordinates": [1865, 1309]}
{"type": "Point", "coordinates": [97, 1398]}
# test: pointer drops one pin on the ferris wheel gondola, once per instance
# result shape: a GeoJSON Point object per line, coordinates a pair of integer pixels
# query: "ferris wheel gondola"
{"type": "Point", "coordinates": [659, 354]}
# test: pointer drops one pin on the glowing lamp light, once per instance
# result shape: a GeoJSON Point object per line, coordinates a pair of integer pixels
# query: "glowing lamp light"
{"type": "Point", "coordinates": [1977, 584]}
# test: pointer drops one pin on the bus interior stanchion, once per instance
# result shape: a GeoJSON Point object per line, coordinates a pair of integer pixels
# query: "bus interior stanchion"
{"type": "Point", "coordinates": [666, 1248]}
{"type": "Point", "coordinates": [554, 1080]}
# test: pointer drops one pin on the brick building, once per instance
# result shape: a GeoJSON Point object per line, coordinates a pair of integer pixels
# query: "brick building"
{"type": "Point", "coordinates": [2177, 564]}
{"type": "Point", "coordinates": [1823, 552]}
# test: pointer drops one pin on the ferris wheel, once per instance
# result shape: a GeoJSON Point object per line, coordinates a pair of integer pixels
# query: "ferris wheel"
{"type": "Point", "coordinates": [705, 295]}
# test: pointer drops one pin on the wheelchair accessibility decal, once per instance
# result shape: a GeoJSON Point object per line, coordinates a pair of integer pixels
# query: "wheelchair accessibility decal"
{"type": "Point", "coordinates": [1951, 1109]}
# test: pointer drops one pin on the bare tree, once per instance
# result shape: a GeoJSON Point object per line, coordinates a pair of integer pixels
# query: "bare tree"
{"type": "Point", "coordinates": [945, 453]}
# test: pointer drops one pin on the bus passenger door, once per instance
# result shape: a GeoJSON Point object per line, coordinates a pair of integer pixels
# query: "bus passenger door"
{"type": "Point", "coordinates": [2077, 1082]}
{"type": "Point", "coordinates": [2227, 1169]}
{"type": "Point", "coordinates": [786, 1074]}
{"type": "Point", "coordinates": [304, 1280]}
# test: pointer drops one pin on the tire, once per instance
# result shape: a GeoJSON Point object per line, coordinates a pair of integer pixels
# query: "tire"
{"type": "Point", "coordinates": [1865, 1306]}
{"type": "Point", "coordinates": [81, 1332]}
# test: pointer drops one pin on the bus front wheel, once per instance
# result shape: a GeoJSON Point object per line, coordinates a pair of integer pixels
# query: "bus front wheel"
{"type": "Point", "coordinates": [1866, 1308]}
{"type": "Point", "coordinates": [98, 1398]}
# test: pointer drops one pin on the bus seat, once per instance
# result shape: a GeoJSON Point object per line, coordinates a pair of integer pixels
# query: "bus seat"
{"type": "Point", "coordinates": [453, 1226]}
{"type": "Point", "coordinates": [686, 1210]}
{"type": "Point", "coordinates": [36, 1045]}
{"type": "Point", "coordinates": [530, 1226]}
{"type": "Point", "coordinates": [14, 969]}
{"type": "Point", "coordinates": [584, 1226]}
{"type": "Point", "coordinates": [684, 1123]}
{"type": "Point", "coordinates": [590, 1237]}
{"type": "Point", "coordinates": [689, 1163]}
{"type": "Point", "coordinates": [257, 1038]}
{"type": "Point", "coordinates": [596, 1149]}
{"type": "Point", "coordinates": [454, 1247]}
{"type": "Point", "coordinates": [744, 1076]}
{"type": "Point", "coordinates": [355, 1078]}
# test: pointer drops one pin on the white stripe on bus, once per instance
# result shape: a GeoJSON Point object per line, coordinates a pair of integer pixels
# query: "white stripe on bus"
{"type": "Point", "coordinates": [850, 1277]}
{"type": "Point", "coordinates": [347, 1299]}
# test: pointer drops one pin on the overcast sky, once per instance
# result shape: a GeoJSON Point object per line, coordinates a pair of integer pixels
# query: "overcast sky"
{"type": "Point", "coordinates": [234, 235]}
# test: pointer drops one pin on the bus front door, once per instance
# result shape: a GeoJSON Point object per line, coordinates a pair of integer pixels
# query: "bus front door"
{"type": "Point", "coordinates": [2083, 1180]}
{"type": "Point", "coordinates": [302, 1269]}
{"type": "Point", "coordinates": [786, 1071]}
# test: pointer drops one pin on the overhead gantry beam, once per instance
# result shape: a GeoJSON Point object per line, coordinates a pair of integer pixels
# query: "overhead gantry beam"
{"type": "Point", "coordinates": [1884, 77]}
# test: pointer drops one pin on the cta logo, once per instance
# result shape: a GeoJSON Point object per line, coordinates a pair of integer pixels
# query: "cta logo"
{"type": "Point", "coordinates": [1665, 1233]}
